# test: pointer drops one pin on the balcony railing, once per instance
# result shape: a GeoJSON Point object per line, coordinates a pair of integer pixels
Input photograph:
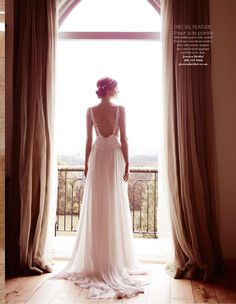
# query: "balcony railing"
{"type": "Point", "coordinates": [142, 192]}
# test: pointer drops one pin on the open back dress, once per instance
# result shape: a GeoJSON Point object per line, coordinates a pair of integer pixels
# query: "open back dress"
{"type": "Point", "coordinates": [103, 258]}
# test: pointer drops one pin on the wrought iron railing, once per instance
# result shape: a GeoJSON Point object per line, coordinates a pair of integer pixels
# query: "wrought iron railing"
{"type": "Point", "coordinates": [142, 192]}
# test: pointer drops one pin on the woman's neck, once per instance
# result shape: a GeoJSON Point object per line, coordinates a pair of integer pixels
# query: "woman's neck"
{"type": "Point", "coordinates": [106, 100]}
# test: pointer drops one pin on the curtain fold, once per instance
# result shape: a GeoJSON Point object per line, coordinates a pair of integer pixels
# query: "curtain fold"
{"type": "Point", "coordinates": [32, 207]}
{"type": "Point", "coordinates": [189, 151]}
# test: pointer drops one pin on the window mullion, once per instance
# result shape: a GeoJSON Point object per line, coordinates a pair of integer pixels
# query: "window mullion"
{"type": "Point", "coordinates": [110, 35]}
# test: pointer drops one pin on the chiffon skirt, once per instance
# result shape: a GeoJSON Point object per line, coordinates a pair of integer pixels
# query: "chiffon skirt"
{"type": "Point", "coordinates": [103, 258]}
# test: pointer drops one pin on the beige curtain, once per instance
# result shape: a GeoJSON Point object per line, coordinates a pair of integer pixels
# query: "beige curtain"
{"type": "Point", "coordinates": [189, 151]}
{"type": "Point", "coordinates": [32, 208]}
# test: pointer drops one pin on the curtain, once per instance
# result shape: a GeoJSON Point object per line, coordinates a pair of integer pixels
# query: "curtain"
{"type": "Point", "coordinates": [32, 207]}
{"type": "Point", "coordinates": [165, 236]}
{"type": "Point", "coordinates": [189, 151]}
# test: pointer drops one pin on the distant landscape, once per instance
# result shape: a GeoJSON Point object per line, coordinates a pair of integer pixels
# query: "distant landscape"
{"type": "Point", "coordinates": [147, 161]}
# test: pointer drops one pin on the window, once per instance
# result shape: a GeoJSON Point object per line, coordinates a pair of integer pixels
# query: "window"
{"type": "Point", "coordinates": [94, 43]}
{"type": "Point", "coordinates": [112, 16]}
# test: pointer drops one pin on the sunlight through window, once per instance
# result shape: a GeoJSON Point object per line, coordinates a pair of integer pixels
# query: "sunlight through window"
{"type": "Point", "coordinates": [113, 15]}
{"type": "Point", "coordinates": [135, 64]}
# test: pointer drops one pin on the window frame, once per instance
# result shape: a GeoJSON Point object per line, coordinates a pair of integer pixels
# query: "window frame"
{"type": "Point", "coordinates": [109, 35]}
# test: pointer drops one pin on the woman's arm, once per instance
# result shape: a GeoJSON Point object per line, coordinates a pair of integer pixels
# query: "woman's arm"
{"type": "Point", "coordinates": [124, 142]}
{"type": "Point", "coordinates": [89, 140]}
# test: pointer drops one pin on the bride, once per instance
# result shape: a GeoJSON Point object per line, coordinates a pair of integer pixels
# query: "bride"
{"type": "Point", "coordinates": [103, 258]}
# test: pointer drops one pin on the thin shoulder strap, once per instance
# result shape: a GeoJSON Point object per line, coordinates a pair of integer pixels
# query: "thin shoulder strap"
{"type": "Point", "coordinates": [94, 121]}
{"type": "Point", "coordinates": [117, 120]}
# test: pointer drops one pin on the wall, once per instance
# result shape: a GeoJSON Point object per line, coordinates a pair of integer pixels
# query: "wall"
{"type": "Point", "coordinates": [2, 150]}
{"type": "Point", "coordinates": [223, 21]}
{"type": "Point", "coordinates": [8, 86]}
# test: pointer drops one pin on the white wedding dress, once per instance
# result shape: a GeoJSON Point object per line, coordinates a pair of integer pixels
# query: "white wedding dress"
{"type": "Point", "coordinates": [103, 258]}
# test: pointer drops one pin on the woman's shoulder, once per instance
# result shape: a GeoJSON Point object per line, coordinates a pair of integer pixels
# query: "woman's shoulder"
{"type": "Point", "coordinates": [98, 106]}
{"type": "Point", "coordinates": [122, 109]}
{"type": "Point", "coordinates": [89, 112]}
{"type": "Point", "coordinates": [94, 106]}
{"type": "Point", "coordinates": [91, 108]}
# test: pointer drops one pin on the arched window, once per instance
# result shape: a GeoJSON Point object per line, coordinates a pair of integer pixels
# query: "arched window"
{"type": "Point", "coordinates": [117, 38]}
{"type": "Point", "coordinates": [112, 16]}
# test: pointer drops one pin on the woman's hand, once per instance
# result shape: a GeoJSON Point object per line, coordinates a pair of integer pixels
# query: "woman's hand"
{"type": "Point", "coordinates": [85, 170]}
{"type": "Point", "coordinates": [126, 175]}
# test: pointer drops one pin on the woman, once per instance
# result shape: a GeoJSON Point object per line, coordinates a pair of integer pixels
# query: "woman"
{"type": "Point", "coordinates": [103, 258]}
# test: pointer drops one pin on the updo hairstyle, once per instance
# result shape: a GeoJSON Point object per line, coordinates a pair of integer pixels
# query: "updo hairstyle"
{"type": "Point", "coordinates": [105, 84]}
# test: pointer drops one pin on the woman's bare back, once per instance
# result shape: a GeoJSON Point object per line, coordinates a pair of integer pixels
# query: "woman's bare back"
{"type": "Point", "coordinates": [105, 117]}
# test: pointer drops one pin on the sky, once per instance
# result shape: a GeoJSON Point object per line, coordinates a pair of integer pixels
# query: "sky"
{"type": "Point", "coordinates": [135, 64]}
